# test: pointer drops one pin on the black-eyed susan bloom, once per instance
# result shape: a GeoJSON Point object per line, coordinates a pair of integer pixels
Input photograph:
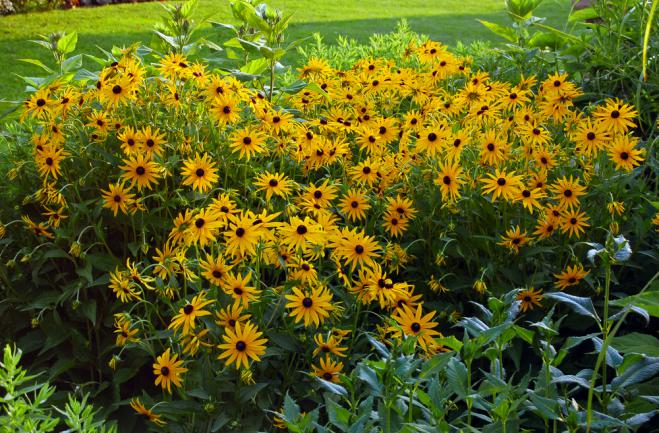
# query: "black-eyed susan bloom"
{"type": "Point", "coordinates": [203, 227]}
{"type": "Point", "coordinates": [148, 414]}
{"type": "Point", "coordinates": [312, 306]}
{"type": "Point", "coordinates": [514, 239]}
{"type": "Point", "coordinates": [238, 288]}
{"type": "Point", "coordinates": [242, 236]}
{"type": "Point", "coordinates": [412, 322]}
{"type": "Point", "coordinates": [241, 344]}
{"type": "Point", "coordinates": [567, 191]}
{"type": "Point", "coordinates": [301, 233]}
{"type": "Point", "coordinates": [231, 315]}
{"type": "Point", "coordinates": [624, 154]}
{"type": "Point", "coordinates": [187, 315]}
{"type": "Point", "coordinates": [328, 369]}
{"type": "Point", "coordinates": [449, 180]}
{"type": "Point", "coordinates": [215, 269]}
{"type": "Point", "coordinates": [168, 370]}
{"type": "Point", "coordinates": [354, 205]}
{"type": "Point", "coordinates": [616, 116]}
{"type": "Point", "coordinates": [394, 224]}
{"type": "Point", "coordinates": [356, 248]}
{"type": "Point", "coordinates": [326, 344]}
{"type": "Point", "coordinates": [141, 171]}
{"type": "Point", "coordinates": [200, 172]}
{"type": "Point", "coordinates": [529, 299]}
{"type": "Point", "coordinates": [247, 142]}
{"type": "Point", "coordinates": [502, 184]}
{"type": "Point", "coordinates": [117, 197]}
{"type": "Point", "coordinates": [574, 222]}
{"type": "Point", "coordinates": [274, 184]}
{"type": "Point", "coordinates": [571, 276]}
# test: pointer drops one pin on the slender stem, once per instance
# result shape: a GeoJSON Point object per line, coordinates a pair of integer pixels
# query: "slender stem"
{"type": "Point", "coordinates": [605, 333]}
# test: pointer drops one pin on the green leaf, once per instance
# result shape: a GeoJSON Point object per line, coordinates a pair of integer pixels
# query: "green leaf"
{"type": "Point", "coordinates": [291, 409]}
{"type": "Point", "coordinates": [332, 387]}
{"type": "Point", "coordinates": [88, 308]}
{"type": "Point", "coordinates": [546, 39]}
{"type": "Point", "coordinates": [337, 415]}
{"type": "Point", "coordinates": [505, 32]}
{"type": "Point", "coordinates": [72, 63]}
{"type": "Point", "coordinates": [636, 373]}
{"type": "Point", "coordinates": [456, 373]}
{"type": "Point", "coordinates": [636, 342]}
{"type": "Point", "coordinates": [67, 43]}
{"type": "Point", "coordinates": [451, 342]}
{"type": "Point", "coordinates": [255, 67]}
{"type": "Point", "coordinates": [583, 15]}
{"type": "Point", "coordinates": [524, 334]}
{"type": "Point", "coordinates": [648, 300]}
{"type": "Point", "coordinates": [579, 305]}
{"type": "Point", "coordinates": [37, 63]}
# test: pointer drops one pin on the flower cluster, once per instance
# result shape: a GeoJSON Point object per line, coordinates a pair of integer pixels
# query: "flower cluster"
{"type": "Point", "coordinates": [236, 218]}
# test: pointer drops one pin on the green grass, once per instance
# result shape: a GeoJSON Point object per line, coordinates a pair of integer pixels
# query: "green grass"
{"type": "Point", "coordinates": [444, 20]}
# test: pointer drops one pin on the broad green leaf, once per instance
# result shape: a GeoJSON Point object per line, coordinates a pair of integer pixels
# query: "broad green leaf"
{"type": "Point", "coordinates": [640, 371]}
{"type": "Point", "coordinates": [505, 32]}
{"type": "Point", "coordinates": [636, 342]}
{"type": "Point", "coordinates": [451, 342]}
{"type": "Point", "coordinates": [337, 415]}
{"type": "Point", "coordinates": [332, 387]}
{"type": "Point", "coordinates": [456, 373]}
{"type": "Point", "coordinates": [291, 409]}
{"type": "Point", "coordinates": [648, 300]}
{"type": "Point", "coordinates": [67, 43]}
{"type": "Point", "coordinates": [579, 305]}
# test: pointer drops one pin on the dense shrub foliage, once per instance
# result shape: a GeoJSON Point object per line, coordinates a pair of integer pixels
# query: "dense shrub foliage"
{"type": "Point", "coordinates": [389, 238]}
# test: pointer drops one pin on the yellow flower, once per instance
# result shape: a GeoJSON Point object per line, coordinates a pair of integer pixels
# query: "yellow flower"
{"type": "Point", "coordinates": [189, 313]}
{"type": "Point", "coordinates": [312, 306]}
{"type": "Point", "coordinates": [168, 370]}
{"type": "Point", "coordinates": [199, 172]}
{"type": "Point", "coordinates": [242, 344]}
{"type": "Point", "coordinates": [528, 298]}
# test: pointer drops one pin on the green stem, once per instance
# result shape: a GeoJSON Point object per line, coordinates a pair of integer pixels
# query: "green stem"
{"type": "Point", "coordinates": [600, 358]}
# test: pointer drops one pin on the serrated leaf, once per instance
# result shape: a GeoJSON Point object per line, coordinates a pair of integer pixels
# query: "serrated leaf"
{"type": "Point", "coordinates": [456, 373]}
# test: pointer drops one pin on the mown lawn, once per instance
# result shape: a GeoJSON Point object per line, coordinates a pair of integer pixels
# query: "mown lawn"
{"type": "Point", "coordinates": [444, 20]}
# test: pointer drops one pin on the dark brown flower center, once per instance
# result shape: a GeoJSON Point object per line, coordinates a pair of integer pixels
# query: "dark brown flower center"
{"type": "Point", "coordinates": [240, 232]}
{"type": "Point", "coordinates": [200, 172]}
{"type": "Point", "coordinates": [307, 302]}
{"type": "Point", "coordinates": [140, 171]}
{"type": "Point", "coordinates": [199, 223]}
{"type": "Point", "coordinates": [416, 327]}
{"type": "Point", "coordinates": [116, 89]}
{"type": "Point", "coordinates": [501, 181]}
{"type": "Point", "coordinates": [301, 229]}
{"type": "Point", "coordinates": [447, 180]}
{"type": "Point", "coordinates": [241, 346]}
{"type": "Point", "coordinates": [188, 309]}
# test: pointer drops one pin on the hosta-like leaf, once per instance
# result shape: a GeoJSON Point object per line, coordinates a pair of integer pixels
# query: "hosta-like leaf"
{"type": "Point", "coordinates": [579, 305]}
